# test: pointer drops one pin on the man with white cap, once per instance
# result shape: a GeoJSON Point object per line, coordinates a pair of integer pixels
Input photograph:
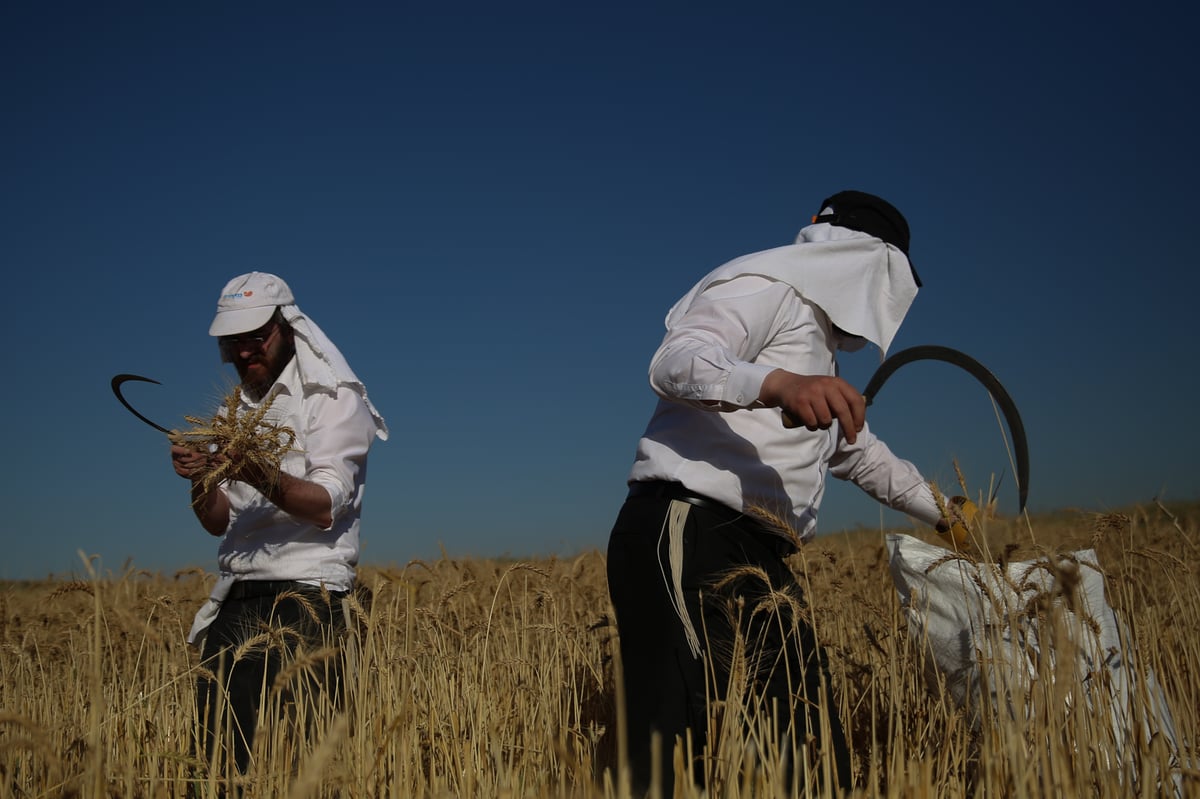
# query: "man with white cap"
{"type": "Point", "coordinates": [753, 417]}
{"type": "Point", "coordinates": [290, 541]}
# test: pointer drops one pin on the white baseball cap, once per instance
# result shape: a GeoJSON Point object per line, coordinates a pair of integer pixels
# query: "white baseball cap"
{"type": "Point", "coordinates": [247, 303]}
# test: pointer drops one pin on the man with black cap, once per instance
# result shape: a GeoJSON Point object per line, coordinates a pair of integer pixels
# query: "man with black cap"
{"type": "Point", "coordinates": [290, 540]}
{"type": "Point", "coordinates": [751, 420]}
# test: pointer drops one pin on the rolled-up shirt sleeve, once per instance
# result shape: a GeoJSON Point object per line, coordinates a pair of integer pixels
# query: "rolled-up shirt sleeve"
{"type": "Point", "coordinates": [707, 358]}
{"type": "Point", "coordinates": [340, 430]}
{"type": "Point", "coordinates": [897, 483]}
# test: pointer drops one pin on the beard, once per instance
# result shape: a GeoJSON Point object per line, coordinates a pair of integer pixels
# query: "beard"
{"type": "Point", "coordinates": [259, 372]}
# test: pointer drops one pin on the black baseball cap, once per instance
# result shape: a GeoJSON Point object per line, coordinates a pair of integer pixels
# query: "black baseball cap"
{"type": "Point", "coordinates": [869, 214]}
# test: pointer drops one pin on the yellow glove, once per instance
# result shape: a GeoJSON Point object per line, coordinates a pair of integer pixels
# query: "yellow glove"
{"type": "Point", "coordinates": [960, 515]}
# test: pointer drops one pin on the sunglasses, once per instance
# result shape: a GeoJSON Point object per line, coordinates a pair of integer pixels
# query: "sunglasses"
{"type": "Point", "coordinates": [252, 342]}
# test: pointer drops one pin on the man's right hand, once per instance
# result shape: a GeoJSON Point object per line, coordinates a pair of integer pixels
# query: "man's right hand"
{"type": "Point", "coordinates": [211, 506]}
{"type": "Point", "coordinates": [189, 463]}
{"type": "Point", "coordinates": [814, 401]}
{"type": "Point", "coordinates": [959, 520]}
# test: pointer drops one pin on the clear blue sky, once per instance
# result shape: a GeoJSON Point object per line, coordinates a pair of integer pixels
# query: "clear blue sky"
{"type": "Point", "coordinates": [490, 207]}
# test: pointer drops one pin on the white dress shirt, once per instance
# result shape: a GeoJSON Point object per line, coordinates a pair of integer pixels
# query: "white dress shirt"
{"type": "Point", "coordinates": [710, 433]}
{"type": "Point", "coordinates": [333, 435]}
{"type": "Point", "coordinates": [334, 431]}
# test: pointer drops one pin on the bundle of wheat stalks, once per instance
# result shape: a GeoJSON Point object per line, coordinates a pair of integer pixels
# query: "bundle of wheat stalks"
{"type": "Point", "coordinates": [239, 437]}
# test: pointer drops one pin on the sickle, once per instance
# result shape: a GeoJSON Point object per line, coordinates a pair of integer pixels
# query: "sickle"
{"type": "Point", "coordinates": [116, 387]}
{"type": "Point", "coordinates": [934, 352]}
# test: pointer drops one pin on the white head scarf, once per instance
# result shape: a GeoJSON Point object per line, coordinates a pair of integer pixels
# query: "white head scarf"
{"type": "Point", "coordinates": [249, 301]}
{"type": "Point", "coordinates": [322, 367]}
{"type": "Point", "coordinates": [863, 284]}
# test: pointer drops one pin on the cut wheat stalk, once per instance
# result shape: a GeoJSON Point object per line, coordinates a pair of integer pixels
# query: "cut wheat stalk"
{"type": "Point", "coordinates": [239, 440]}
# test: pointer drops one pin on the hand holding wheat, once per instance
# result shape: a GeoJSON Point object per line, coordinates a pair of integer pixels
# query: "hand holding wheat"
{"type": "Point", "coordinates": [189, 462]}
{"type": "Point", "coordinates": [232, 445]}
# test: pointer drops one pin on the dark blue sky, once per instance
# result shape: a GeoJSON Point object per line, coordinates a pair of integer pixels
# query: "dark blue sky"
{"type": "Point", "coordinates": [491, 206]}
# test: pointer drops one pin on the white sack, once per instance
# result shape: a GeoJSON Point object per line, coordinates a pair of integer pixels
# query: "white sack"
{"type": "Point", "coordinates": [976, 622]}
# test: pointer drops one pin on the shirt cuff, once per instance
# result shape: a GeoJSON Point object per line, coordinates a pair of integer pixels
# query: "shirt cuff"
{"type": "Point", "coordinates": [922, 506]}
{"type": "Point", "coordinates": [337, 498]}
{"type": "Point", "coordinates": [744, 383]}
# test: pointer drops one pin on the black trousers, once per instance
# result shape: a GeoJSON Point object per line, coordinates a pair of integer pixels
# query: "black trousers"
{"type": "Point", "coordinates": [284, 617]}
{"type": "Point", "coordinates": [725, 559]}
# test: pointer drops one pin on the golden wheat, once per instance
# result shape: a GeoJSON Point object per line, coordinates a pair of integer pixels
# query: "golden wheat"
{"type": "Point", "coordinates": [238, 439]}
{"type": "Point", "coordinates": [497, 678]}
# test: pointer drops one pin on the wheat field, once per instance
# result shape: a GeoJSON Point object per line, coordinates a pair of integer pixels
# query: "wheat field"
{"type": "Point", "coordinates": [475, 677]}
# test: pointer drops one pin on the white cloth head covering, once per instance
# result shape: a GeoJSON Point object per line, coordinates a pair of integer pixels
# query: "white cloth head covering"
{"type": "Point", "coordinates": [247, 303]}
{"type": "Point", "coordinates": [321, 365]}
{"type": "Point", "coordinates": [863, 284]}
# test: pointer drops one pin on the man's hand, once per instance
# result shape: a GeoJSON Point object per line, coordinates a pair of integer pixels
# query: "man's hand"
{"type": "Point", "coordinates": [195, 465]}
{"type": "Point", "coordinates": [210, 506]}
{"type": "Point", "coordinates": [189, 463]}
{"type": "Point", "coordinates": [252, 473]}
{"type": "Point", "coordinates": [815, 401]}
{"type": "Point", "coordinates": [956, 525]}
{"type": "Point", "coordinates": [293, 495]}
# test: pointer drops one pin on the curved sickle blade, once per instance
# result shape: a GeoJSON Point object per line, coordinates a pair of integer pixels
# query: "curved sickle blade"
{"type": "Point", "coordinates": [116, 387]}
{"type": "Point", "coordinates": [933, 352]}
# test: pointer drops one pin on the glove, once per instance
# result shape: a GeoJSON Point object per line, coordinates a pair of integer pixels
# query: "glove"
{"type": "Point", "coordinates": [960, 516]}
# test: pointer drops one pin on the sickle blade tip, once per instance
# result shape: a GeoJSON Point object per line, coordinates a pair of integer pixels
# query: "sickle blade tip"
{"type": "Point", "coordinates": [117, 382]}
{"type": "Point", "coordinates": [124, 377]}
